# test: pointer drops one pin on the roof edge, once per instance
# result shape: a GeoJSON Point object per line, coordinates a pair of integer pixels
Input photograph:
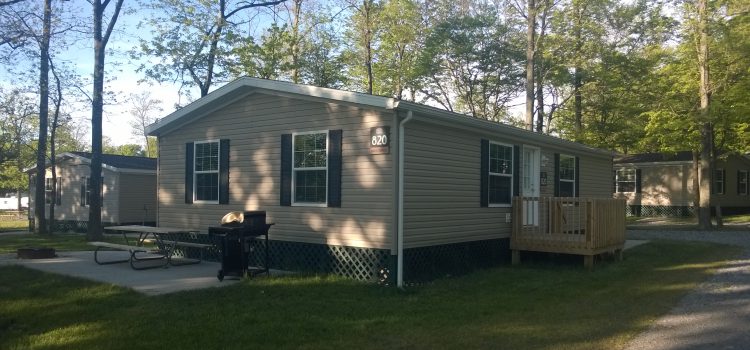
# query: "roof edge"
{"type": "Point", "coordinates": [227, 90]}
{"type": "Point", "coordinates": [463, 119]}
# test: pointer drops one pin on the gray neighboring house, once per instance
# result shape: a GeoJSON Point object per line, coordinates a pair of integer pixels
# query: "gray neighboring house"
{"type": "Point", "coordinates": [128, 190]}
{"type": "Point", "coordinates": [661, 184]}
{"type": "Point", "coordinates": [360, 185]}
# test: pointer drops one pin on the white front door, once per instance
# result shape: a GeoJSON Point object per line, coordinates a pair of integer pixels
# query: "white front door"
{"type": "Point", "coordinates": [530, 184]}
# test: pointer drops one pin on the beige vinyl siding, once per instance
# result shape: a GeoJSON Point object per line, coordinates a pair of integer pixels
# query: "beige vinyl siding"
{"type": "Point", "coordinates": [665, 184]}
{"type": "Point", "coordinates": [254, 125]}
{"type": "Point", "coordinates": [730, 198]}
{"type": "Point", "coordinates": [441, 188]}
{"type": "Point", "coordinates": [72, 173]}
{"type": "Point", "coordinates": [442, 184]}
{"type": "Point", "coordinates": [137, 198]}
{"type": "Point", "coordinates": [662, 185]}
{"type": "Point", "coordinates": [595, 176]}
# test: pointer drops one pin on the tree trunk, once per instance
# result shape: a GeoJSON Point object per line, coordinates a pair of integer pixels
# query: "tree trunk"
{"type": "Point", "coordinates": [367, 7]}
{"type": "Point", "coordinates": [40, 223]}
{"type": "Point", "coordinates": [52, 150]}
{"type": "Point", "coordinates": [94, 232]}
{"type": "Point", "coordinates": [577, 75]}
{"type": "Point", "coordinates": [296, 11]}
{"type": "Point", "coordinates": [540, 73]}
{"type": "Point", "coordinates": [704, 216]}
{"type": "Point", "coordinates": [530, 37]}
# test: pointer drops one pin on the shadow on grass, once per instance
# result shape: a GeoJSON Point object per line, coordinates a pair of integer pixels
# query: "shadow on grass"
{"type": "Point", "coordinates": [537, 305]}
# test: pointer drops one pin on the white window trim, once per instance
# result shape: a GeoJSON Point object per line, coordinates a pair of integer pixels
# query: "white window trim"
{"type": "Point", "coordinates": [575, 175]}
{"type": "Point", "coordinates": [294, 170]}
{"type": "Point", "coordinates": [723, 181]}
{"type": "Point", "coordinates": [747, 182]}
{"type": "Point", "coordinates": [512, 174]}
{"type": "Point", "coordinates": [617, 180]}
{"type": "Point", "coordinates": [217, 171]}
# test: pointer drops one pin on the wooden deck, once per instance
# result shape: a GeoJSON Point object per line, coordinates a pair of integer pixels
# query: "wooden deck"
{"type": "Point", "coordinates": [581, 226]}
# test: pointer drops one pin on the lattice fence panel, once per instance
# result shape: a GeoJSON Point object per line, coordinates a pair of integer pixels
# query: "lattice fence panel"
{"type": "Point", "coordinates": [660, 211]}
{"type": "Point", "coordinates": [357, 263]}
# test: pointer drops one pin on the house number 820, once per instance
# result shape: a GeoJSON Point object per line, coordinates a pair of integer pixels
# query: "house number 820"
{"type": "Point", "coordinates": [379, 140]}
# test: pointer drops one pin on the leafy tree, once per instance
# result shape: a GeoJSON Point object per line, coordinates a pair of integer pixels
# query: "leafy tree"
{"type": "Point", "coordinates": [143, 108]}
{"type": "Point", "coordinates": [474, 59]}
{"type": "Point", "coordinates": [267, 60]}
{"type": "Point", "coordinates": [17, 124]}
{"type": "Point", "coordinates": [101, 38]}
{"type": "Point", "coordinates": [400, 41]}
{"type": "Point", "coordinates": [323, 65]}
{"type": "Point", "coordinates": [362, 30]}
{"type": "Point", "coordinates": [192, 40]}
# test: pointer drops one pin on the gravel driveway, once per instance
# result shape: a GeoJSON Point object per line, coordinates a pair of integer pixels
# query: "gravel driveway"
{"type": "Point", "coordinates": [716, 315]}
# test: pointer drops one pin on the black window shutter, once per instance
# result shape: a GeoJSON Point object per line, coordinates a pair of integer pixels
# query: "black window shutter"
{"type": "Point", "coordinates": [724, 181]}
{"type": "Point", "coordinates": [83, 191]}
{"type": "Point", "coordinates": [484, 168]}
{"type": "Point", "coordinates": [189, 149]}
{"type": "Point", "coordinates": [285, 192]}
{"type": "Point", "coordinates": [224, 171]}
{"type": "Point", "coordinates": [557, 175]}
{"type": "Point", "coordinates": [516, 170]}
{"type": "Point", "coordinates": [578, 176]}
{"type": "Point", "coordinates": [638, 182]}
{"type": "Point", "coordinates": [334, 168]}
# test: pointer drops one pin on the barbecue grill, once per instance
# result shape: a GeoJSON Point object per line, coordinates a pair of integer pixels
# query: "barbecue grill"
{"type": "Point", "coordinates": [236, 232]}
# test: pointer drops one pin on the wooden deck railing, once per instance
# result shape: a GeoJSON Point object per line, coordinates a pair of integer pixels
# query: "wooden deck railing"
{"type": "Point", "coordinates": [583, 226]}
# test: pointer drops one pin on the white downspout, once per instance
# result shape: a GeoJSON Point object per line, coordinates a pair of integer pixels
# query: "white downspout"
{"type": "Point", "coordinates": [400, 230]}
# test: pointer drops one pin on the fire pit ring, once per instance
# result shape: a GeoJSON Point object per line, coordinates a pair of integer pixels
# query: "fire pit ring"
{"type": "Point", "coordinates": [35, 253]}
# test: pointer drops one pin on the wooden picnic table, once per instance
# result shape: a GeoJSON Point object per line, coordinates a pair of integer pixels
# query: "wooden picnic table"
{"type": "Point", "coordinates": [164, 249]}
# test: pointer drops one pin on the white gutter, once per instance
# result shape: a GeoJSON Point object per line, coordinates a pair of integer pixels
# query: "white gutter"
{"type": "Point", "coordinates": [400, 230]}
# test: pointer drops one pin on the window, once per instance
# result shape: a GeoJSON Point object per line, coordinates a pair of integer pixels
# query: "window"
{"type": "Point", "coordinates": [500, 182]}
{"type": "Point", "coordinates": [568, 175]}
{"type": "Point", "coordinates": [742, 182]}
{"type": "Point", "coordinates": [48, 190]}
{"type": "Point", "coordinates": [310, 168]}
{"type": "Point", "coordinates": [86, 191]}
{"type": "Point", "coordinates": [719, 181]}
{"type": "Point", "coordinates": [625, 180]}
{"type": "Point", "coordinates": [206, 171]}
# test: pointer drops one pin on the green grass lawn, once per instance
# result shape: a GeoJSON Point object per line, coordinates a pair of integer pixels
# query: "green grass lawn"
{"type": "Point", "coordinates": [14, 225]}
{"type": "Point", "coordinates": [535, 306]}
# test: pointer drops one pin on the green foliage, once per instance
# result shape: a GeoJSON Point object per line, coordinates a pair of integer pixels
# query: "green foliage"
{"type": "Point", "coordinates": [267, 60]}
{"type": "Point", "coordinates": [616, 48]}
{"type": "Point", "coordinates": [400, 39]}
{"type": "Point", "coordinates": [189, 44]}
{"type": "Point", "coordinates": [478, 59]}
{"type": "Point", "coordinates": [322, 64]}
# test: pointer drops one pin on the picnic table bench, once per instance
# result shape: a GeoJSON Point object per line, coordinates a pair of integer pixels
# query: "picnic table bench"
{"type": "Point", "coordinates": [164, 249]}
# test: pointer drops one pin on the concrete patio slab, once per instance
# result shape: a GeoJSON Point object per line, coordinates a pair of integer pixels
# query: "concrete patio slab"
{"type": "Point", "coordinates": [150, 282]}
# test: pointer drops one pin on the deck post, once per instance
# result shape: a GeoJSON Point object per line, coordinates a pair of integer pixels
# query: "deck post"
{"type": "Point", "coordinates": [588, 261]}
{"type": "Point", "coordinates": [515, 257]}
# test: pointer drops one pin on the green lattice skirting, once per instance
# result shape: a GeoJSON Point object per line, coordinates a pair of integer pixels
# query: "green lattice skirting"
{"type": "Point", "coordinates": [377, 265]}
{"type": "Point", "coordinates": [358, 263]}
